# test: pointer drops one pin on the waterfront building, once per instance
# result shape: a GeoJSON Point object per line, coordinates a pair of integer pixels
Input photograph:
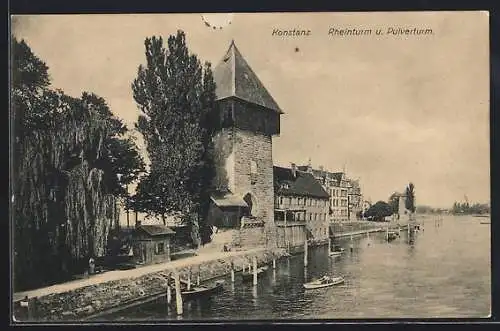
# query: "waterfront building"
{"type": "Point", "coordinates": [248, 117]}
{"type": "Point", "coordinates": [337, 186]}
{"type": "Point", "coordinates": [355, 199]}
{"type": "Point", "coordinates": [151, 243]}
{"type": "Point", "coordinates": [301, 207]}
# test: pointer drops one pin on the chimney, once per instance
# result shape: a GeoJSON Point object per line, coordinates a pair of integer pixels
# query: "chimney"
{"type": "Point", "coordinates": [294, 170]}
{"type": "Point", "coordinates": [309, 166]}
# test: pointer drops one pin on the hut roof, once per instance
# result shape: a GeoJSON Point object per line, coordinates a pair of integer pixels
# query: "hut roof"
{"type": "Point", "coordinates": [156, 230]}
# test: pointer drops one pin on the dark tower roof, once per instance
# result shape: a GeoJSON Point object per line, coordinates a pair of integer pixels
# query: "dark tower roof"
{"type": "Point", "coordinates": [234, 78]}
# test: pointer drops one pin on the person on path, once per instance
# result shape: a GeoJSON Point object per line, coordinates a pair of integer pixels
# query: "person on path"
{"type": "Point", "coordinates": [91, 266]}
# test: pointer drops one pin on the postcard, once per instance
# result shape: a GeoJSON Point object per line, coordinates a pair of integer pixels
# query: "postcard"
{"type": "Point", "coordinates": [250, 166]}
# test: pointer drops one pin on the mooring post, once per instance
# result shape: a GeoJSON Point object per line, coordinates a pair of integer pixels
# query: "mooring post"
{"type": "Point", "coordinates": [329, 244]}
{"type": "Point", "coordinates": [232, 271]}
{"type": "Point", "coordinates": [305, 253]}
{"type": "Point", "coordinates": [254, 270]}
{"type": "Point", "coordinates": [169, 291]}
{"type": "Point", "coordinates": [198, 277]}
{"type": "Point", "coordinates": [178, 294]}
{"type": "Point", "coordinates": [274, 262]}
{"type": "Point", "coordinates": [189, 280]}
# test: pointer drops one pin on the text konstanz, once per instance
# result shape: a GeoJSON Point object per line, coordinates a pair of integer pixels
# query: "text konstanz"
{"type": "Point", "coordinates": [291, 32]}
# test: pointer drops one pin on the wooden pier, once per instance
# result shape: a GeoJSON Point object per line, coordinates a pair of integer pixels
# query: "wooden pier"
{"type": "Point", "coordinates": [356, 233]}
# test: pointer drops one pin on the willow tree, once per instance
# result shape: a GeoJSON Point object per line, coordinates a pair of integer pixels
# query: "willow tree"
{"type": "Point", "coordinates": [64, 168]}
{"type": "Point", "coordinates": [176, 96]}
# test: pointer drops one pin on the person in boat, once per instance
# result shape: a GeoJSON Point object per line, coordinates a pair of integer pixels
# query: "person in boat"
{"type": "Point", "coordinates": [324, 279]}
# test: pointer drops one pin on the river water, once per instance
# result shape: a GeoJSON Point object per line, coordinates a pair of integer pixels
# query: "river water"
{"type": "Point", "coordinates": [444, 272]}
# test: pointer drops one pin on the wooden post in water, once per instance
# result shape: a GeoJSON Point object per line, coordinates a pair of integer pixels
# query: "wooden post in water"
{"type": "Point", "coordinates": [287, 243]}
{"type": "Point", "coordinates": [232, 272]}
{"type": "Point", "coordinates": [178, 294]}
{"type": "Point", "coordinates": [169, 294]}
{"type": "Point", "coordinates": [305, 253]}
{"type": "Point", "coordinates": [274, 262]}
{"type": "Point", "coordinates": [198, 280]}
{"type": "Point", "coordinates": [254, 270]}
{"type": "Point", "coordinates": [329, 245]}
{"type": "Point", "coordinates": [189, 280]}
{"type": "Point", "coordinates": [169, 291]}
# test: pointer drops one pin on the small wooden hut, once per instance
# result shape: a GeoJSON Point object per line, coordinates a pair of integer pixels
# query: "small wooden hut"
{"type": "Point", "coordinates": [151, 243]}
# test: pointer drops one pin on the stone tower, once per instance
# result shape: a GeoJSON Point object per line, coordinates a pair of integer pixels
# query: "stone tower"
{"type": "Point", "coordinates": [248, 118]}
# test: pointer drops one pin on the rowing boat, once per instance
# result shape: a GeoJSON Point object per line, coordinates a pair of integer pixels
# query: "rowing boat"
{"type": "Point", "coordinates": [324, 281]}
{"type": "Point", "coordinates": [337, 251]}
{"type": "Point", "coordinates": [201, 290]}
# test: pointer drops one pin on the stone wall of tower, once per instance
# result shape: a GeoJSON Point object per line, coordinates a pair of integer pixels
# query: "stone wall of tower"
{"type": "Point", "coordinates": [254, 147]}
{"type": "Point", "coordinates": [224, 160]}
{"type": "Point", "coordinates": [235, 152]}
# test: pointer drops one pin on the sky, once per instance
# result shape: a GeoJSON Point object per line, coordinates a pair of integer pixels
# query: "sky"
{"type": "Point", "coordinates": [389, 109]}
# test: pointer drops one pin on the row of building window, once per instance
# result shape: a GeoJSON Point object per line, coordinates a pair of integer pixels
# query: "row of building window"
{"type": "Point", "coordinates": [301, 201]}
{"type": "Point", "coordinates": [339, 202]}
{"type": "Point", "coordinates": [303, 216]}
{"type": "Point", "coordinates": [338, 193]}
{"type": "Point", "coordinates": [341, 212]}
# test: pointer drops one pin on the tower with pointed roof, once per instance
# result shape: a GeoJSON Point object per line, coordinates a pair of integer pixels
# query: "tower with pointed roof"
{"type": "Point", "coordinates": [248, 117]}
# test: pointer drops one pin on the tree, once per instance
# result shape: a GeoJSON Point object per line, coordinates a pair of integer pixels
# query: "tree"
{"type": "Point", "coordinates": [379, 211]}
{"type": "Point", "coordinates": [67, 152]}
{"type": "Point", "coordinates": [176, 97]}
{"type": "Point", "coordinates": [394, 202]}
{"type": "Point", "coordinates": [410, 198]}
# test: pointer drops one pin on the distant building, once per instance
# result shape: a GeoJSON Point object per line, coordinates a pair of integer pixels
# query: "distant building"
{"type": "Point", "coordinates": [402, 205]}
{"type": "Point", "coordinates": [301, 206]}
{"type": "Point", "coordinates": [355, 199]}
{"type": "Point", "coordinates": [337, 186]}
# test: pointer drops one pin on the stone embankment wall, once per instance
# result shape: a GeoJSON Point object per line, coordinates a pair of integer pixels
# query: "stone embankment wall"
{"type": "Point", "coordinates": [92, 301]}
{"type": "Point", "coordinates": [249, 237]}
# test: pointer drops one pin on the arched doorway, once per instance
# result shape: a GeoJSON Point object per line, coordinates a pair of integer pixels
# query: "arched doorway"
{"type": "Point", "coordinates": [249, 198]}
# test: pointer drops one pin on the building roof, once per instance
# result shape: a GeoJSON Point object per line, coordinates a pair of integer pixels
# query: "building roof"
{"type": "Point", "coordinates": [156, 229]}
{"type": "Point", "coordinates": [229, 200]}
{"type": "Point", "coordinates": [303, 184]}
{"type": "Point", "coordinates": [234, 78]}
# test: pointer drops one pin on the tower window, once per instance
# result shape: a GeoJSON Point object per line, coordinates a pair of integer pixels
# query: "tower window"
{"type": "Point", "coordinates": [253, 167]}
